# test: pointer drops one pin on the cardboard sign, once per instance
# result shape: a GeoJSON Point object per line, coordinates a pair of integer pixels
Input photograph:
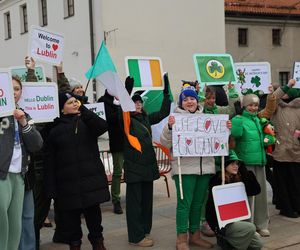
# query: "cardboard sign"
{"type": "Point", "coordinates": [214, 69]}
{"type": "Point", "coordinates": [231, 203]}
{"type": "Point", "coordinates": [40, 101]}
{"type": "Point", "coordinates": [296, 74]}
{"type": "Point", "coordinates": [146, 71]}
{"type": "Point", "coordinates": [200, 135]}
{"type": "Point", "coordinates": [253, 75]}
{"type": "Point", "coordinates": [45, 45]}
{"type": "Point", "coordinates": [7, 100]}
{"type": "Point", "coordinates": [97, 108]}
{"type": "Point", "coordinates": [21, 72]}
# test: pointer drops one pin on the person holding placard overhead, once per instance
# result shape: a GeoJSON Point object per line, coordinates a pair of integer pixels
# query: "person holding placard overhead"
{"type": "Point", "coordinates": [17, 138]}
{"type": "Point", "coordinates": [240, 235]}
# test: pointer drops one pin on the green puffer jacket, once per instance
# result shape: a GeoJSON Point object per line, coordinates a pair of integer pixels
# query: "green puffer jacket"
{"type": "Point", "coordinates": [142, 166]}
{"type": "Point", "coordinates": [247, 131]}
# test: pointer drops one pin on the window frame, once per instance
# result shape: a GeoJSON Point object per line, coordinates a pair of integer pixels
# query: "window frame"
{"type": "Point", "coordinates": [24, 18]}
{"type": "Point", "coordinates": [43, 13]}
{"type": "Point", "coordinates": [284, 77]}
{"type": "Point", "coordinates": [243, 37]}
{"type": "Point", "coordinates": [7, 26]}
{"type": "Point", "coordinates": [69, 8]}
{"type": "Point", "coordinates": [276, 37]}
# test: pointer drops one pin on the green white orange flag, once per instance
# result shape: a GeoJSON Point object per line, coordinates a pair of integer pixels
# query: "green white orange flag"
{"type": "Point", "coordinates": [146, 71]}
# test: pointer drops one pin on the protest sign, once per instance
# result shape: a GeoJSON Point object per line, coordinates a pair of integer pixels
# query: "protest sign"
{"type": "Point", "coordinates": [214, 69]}
{"type": "Point", "coordinates": [46, 45]}
{"type": "Point", "coordinates": [200, 135]}
{"type": "Point", "coordinates": [40, 101]}
{"type": "Point", "coordinates": [7, 100]}
{"type": "Point", "coordinates": [231, 203]}
{"type": "Point", "coordinates": [296, 74]}
{"type": "Point", "coordinates": [97, 108]}
{"type": "Point", "coordinates": [146, 71]}
{"type": "Point", "coordinates": [21, 72]}
{"type": "Point", "coordinates": [253, 75]}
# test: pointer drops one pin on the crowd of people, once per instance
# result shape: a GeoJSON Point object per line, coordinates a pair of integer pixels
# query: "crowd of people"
{"type": "Point", "coordinates": [60, 162]}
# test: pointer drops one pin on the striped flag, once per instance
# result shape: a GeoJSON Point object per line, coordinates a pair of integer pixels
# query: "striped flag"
{"type": "Point", "coordinates": [147, 72]}
{"type": "Point", "coordinates": [231, 203]}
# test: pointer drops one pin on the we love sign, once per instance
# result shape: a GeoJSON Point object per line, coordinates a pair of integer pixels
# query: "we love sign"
{"type": "Point", "coordinates": [45, 45]}
{"type": "Point", "coordinates": [200, 135]}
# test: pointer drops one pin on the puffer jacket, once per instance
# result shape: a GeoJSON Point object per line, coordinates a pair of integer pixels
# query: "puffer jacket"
{"type": "Point", "coordinates": [189, 165]}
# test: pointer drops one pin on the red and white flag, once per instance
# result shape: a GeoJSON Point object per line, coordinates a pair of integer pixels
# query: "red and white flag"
{"type": "Point", "coordinates": [231, 203]}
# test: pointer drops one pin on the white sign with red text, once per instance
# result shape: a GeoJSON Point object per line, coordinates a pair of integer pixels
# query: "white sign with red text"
{"type": "Point", "coordinates": [40, 101]}
{"type": "Point", "coordinates": [45, 45]}
{"type": "Point", "coordinates": [7, 101]}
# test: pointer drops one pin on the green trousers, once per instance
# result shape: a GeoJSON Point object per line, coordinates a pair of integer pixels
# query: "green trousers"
{"type": "Point", "coordinates": [241, 235]}
{"type": "Point", "coordinates": [188, 211]}
{"type": "Point", "coordinates": [11, 206]}
{"type": "Point", "coordinates": [118, 161]}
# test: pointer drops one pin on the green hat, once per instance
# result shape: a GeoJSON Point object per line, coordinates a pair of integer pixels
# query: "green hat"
{"type": "Point", "coordinates": [231, 158]}
{"type": "Point", "coordinates": [293, 93]}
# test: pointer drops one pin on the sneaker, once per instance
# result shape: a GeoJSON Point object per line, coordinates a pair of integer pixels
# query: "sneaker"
{"type": "Point", "coordinates": [148, 236]}
{"type": "Point", "coordinates": [117, 208]}
{"type": "Point", "coordinates": [143, 243]}
{"type": "Point", "coordinates": [206, 230]}
{"type": "Point", "coordinates": [264, 232]}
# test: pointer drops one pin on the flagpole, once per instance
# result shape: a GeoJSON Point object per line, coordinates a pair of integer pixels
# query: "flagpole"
{"type": "Point", "coordinates": [223, 170]}
{"type": "Point", "coordinates": [180, 179]}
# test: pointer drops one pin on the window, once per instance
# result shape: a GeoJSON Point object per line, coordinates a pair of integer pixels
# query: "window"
{"type": "Point", "coordinates": [283, 78]}
{"type": "Point", "coordinates": [68, 8]}
{"type": "Point", "coordinates": [276, 37]}
{"type": "Point", "coordinates": [43, 13]}
{"type": "Point", "coordinates": [243, 37]}
{"type": "Point", "coordinates": [7, 23]}
{"type": "Point", "coordinates": [24, 21]}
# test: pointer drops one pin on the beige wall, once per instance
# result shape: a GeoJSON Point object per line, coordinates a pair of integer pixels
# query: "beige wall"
{"type": "Point", "coordinates": [260, 47]}
{"type": "Point", "coordinates": [171, 29]}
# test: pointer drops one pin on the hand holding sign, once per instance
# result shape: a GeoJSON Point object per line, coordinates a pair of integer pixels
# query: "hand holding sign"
{"type": "Point", "coordinates": [29, 62]}
{"type": "Point", "coordinates": [20, 117]}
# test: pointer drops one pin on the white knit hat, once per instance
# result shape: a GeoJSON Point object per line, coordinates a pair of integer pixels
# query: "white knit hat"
{"type": "Point", "coordinates": [249, 99]}
{"type": "Point", "coordinates": [74, 83]}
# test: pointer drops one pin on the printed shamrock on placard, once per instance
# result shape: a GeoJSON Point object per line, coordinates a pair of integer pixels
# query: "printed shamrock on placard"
{"type": "Point", "coordinates": [256, 81]}
{"type": "Point", "coordinates": [215, 67]}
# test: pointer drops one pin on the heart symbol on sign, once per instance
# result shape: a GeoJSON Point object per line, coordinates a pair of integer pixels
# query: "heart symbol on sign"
{"type": "Point", "coordinates": [54, 47]}
{"type": "Point", "coordinates": [188, 141]}
{"type": "Point", "coordinates": [207, 124]}
{"type": "Point", "coordinates": [217, 145]}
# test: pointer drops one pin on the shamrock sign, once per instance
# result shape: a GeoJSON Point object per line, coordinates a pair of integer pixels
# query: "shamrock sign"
{"type": "Point", "coordinates": [256, 81]}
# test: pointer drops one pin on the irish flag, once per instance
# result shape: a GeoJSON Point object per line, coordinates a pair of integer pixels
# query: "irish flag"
{"type": "Point", "coordinates": [231, 203]}
{"type": "Point", "coordinates": [147, 72]}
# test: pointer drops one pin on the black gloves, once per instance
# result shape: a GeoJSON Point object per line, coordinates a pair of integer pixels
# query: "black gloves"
{"type": "Point", "coordinates": [166, 82]}
{"type": "Point", "coordinates": [129, 82]}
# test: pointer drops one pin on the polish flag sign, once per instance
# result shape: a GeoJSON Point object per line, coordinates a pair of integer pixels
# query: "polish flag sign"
{"type": "Point", "coordinates": [231, 203]}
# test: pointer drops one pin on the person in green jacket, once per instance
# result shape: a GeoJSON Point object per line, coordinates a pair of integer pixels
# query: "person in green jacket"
{"type": "Point", "coordinates": [140, 170]}
{"type": "Point", "coordinates": [248, 134]}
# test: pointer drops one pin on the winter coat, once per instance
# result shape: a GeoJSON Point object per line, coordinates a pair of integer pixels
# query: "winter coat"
{"type": "Point", "coordinates": [115, 131]}
{"type": "Point", "coordinates": [286, 120]}
{"type": "Point", "coordinates": [30, 140]}
{"type": "Point", "coordinates": [74, 174]}
{"type": "Point", "coordinates": [190, 165]}
{"type": "Point", "coordinates": [252, 188]}
{"type": "Point", "coordinates": [142, 166]}
{"type": "Point", "coordinates": [248, 134]}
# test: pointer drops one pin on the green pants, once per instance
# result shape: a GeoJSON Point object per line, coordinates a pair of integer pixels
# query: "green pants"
{"type": "Point", "coordinates": [118, 160]}
{"type": "Point", "coordinates": [188, 211]}
{"type": "Point", "coordinates": [241, 235]}
{"type": "Point", "coordinates": [11, 205]}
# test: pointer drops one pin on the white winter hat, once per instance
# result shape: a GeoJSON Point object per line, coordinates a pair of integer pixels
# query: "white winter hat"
{"type": "Point", "coordinates": [74, 83]}
{"type": "Point", "coordinates": [249, 99]}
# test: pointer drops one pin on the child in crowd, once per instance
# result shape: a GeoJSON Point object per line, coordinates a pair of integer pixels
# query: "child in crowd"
{"type": "Point", "coordinates": [239, 235]}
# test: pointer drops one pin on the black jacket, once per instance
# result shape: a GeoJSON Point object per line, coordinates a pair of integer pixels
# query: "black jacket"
{"type": "Point", "coordinates": [115, 130]}
{"type": "Point", "coordinates": [251, 185]}
{"type": "Point", "coordinates": [74, 173]}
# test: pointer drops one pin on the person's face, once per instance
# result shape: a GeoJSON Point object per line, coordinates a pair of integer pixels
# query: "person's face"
{"type": "Point", "coordinates": [138, 106]}
{"type": "Point", "coordinates": [233, 168]}
{"type": "Point", "coordinates": [210, 101]}
{"type": "Point", "coordinates": [252, 108]}
{"type": "Point", "coordinates": [17, 90]}
{"type": "Point", "coordinates": [79, 91]}
{"type": "Point", "coordinates": [71, 106]}
{"type": "Point", "coordinates": [190, 104]}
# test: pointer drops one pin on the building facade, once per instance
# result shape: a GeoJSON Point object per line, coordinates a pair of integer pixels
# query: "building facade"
{"type": "Point", "coordinates": [265, 30]}
{"type": "Point", "coordinates": [171, 29]}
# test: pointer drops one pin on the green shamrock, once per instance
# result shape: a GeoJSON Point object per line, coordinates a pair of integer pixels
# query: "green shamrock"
{"type": "Point", "coordinates": [214, 67]}
{"type": "Point", "coordinates": [256, 81]}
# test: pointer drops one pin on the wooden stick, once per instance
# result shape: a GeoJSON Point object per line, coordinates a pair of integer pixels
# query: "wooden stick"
{"type": "Point", "coordinates": [223, 170]}
{"type": "Point", "coordinates": [180, 179]}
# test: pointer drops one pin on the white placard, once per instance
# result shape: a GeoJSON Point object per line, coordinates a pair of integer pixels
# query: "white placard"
{"type": "Point", "coordinates": [231, 203]}
{"type": "Point", "coordinates": [200, 135]}
{"type": "Point", "coordinates": [97, 108]}
{"type": "Point", "coordinates": [7, 100]}
{"type": "Point", "coordinates": [21, 72]}
{"type": "Point", "coordinates": [253, 75]}
{"type": "Point", "coordinates": [40, 101]}
{"type": "Point", "coordinates": [296, 74]}
{"type": "Point", "coordinates": [45, 45]}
